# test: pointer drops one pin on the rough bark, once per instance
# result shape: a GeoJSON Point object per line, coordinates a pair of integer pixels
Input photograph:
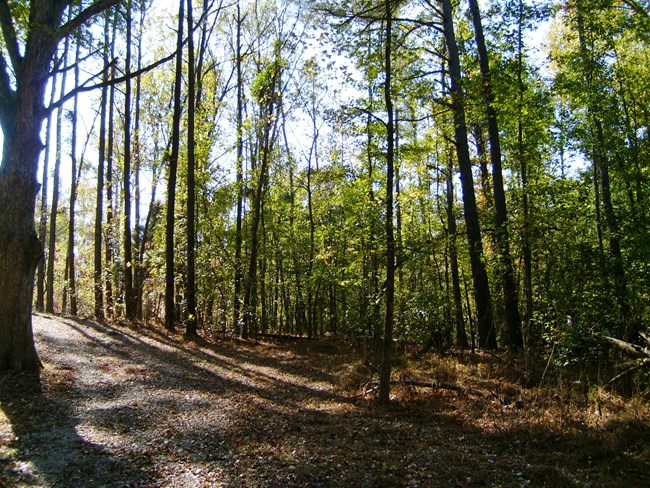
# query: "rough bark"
{"type": "Point", "coordinates": [22, 113]}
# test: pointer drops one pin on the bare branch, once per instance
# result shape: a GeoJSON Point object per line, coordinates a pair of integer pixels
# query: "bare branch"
{"type": "Point", "coordinates": [115, 81]}
{"type": "Point", "coordinates": [98, 7]}
{"type": "Point", "coordinates": [628, 347]}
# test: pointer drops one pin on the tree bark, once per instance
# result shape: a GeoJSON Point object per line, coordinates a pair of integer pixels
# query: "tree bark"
{"type": "Point", "coordinates": [99, 202]}
{"type": "Point", "coordinates": [170, 291]}
{"type": "Point", "coordinates": [487, 334]}
{"type": "Point", "coordinates": [129, 301]}
{"type": "Point", "coordinates": [190, 284]}
{"type": "Point", "coordinates": [511, 301]}
{"type": "Point", "coordinates": [461, 334]}
{"type": "Point", "coordinates": [239, 273]}
{"type": "Point", "coordinates": [21, 116]}
{"type": "Point", "coordinates": [40, 280]}
{"type": "Point", "coordinates": [387, 344]}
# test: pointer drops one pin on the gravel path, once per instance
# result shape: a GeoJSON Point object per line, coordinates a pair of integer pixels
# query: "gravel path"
{"type": "Point", "coordinates": [118, 407]}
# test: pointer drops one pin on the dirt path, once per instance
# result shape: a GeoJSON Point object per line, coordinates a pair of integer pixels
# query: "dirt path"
{"type": "Point", "coordinates": [124, 408]}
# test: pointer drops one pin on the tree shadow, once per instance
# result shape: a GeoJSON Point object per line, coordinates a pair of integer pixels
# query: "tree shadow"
{"type": "Point", "coordinates": [41, 446]}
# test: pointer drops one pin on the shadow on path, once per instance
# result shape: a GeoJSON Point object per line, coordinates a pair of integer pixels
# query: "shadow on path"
{"type": "Point", "coordinates": [41, 446]}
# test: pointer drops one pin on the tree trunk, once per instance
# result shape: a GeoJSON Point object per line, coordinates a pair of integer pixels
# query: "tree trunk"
{"type": "Point", "coordinates": [487, 335]}
{"type": "Point", "coordinates": [170, 291]}
{"type": "Point", "coordinates": [71, 284]}
{"type": "Point", "coordinates": [511, 301]}
{"type": "Point", "coordinates": [40, 280]}
{"type": "Point", "coordinates": [99, 202]}
{"type": "Point", "coordinates": [128, 237]}
{"type": "Point", "coordinates": [56, 183]}
{"type": "Point", "coordinates": [239, 273]}
{"type": "Point", "coordinates": [387, 344]}
{"type": "Point", "coordinates": [21, 116]}
{"type": "Point", "coordinates": [110, 206]}
{"type": "Point", "coordinates": [533, 337]}
{"type": "Point", "coordinates": [190, 284]}
{"type": "Point", "coordinates": [269, 100]}
{"type": "Point", "coordinates": [461, 334]}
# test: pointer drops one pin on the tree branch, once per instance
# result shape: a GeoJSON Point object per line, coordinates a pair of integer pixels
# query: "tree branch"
{"type": "Point", "coordinates": [85, 15]}
{"type": "Point", "coordinates": [9, 34]}
{"type": "Point", "coordinates": [628, 347]}
{"type": "Point", "coordinates": [6, 92]}
{"type": "Point", "coordinates": [115, 81]}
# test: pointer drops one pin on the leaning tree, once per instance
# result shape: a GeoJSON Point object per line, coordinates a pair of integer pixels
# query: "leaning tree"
{"type": "Point", "coordinates": [31, 32]}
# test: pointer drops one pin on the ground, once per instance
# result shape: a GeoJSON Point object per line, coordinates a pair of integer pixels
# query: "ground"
{"type": "Point", "coordinates": [123, 407]}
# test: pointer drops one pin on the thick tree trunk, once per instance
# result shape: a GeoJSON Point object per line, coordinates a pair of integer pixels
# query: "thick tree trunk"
{"type": "Point", "coordinates": [487, 334]}
{"type": "Point", "coordinates": [20, 252]}
{"type": "Point", "coordinates": [21, 116]}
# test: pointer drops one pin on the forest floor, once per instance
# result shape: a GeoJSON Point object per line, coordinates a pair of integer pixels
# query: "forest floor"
{"type": "Point", "coordinates": [120, 407]}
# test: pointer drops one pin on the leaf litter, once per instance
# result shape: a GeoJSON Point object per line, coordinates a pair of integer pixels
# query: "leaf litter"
{"type": "Point", "coordinates": [122, 407]}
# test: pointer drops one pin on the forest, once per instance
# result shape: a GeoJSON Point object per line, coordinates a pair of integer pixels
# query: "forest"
{"type": "Point", "coordinates": [397, 178]}
{"type": "Point", "coordinates": [414, 173]}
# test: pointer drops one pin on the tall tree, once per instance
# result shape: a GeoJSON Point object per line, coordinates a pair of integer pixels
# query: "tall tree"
{"type": "Point", "coordinates": [71, 278]}
{"type": "Point", "coordinates": [23, 78]}
{"type": "Point", "coordinates": [387, 345]}
{"type": "Point", "coordinates": [109, 249]}
{"type": "Point", "coordinates": [101, 160]}
{"type": "Point", "coordinates": [487, 333]}
{"type": "Point", "coordinates": [267, 93]}
{"type": "Point", "coordinates": [40, 280]}
{"type": "Point", "coordinates": [129, 296]}
{"type": "Point", "coordinates": [56, 187]}
{"type": "Point", "coordinates": [511, 301]}
{"type": "Point", "coordinates": [190, 283]}
{"type": "Point", "coordinates": [170, 281]}
{"type": "Point", "coordinates": [239, 272]}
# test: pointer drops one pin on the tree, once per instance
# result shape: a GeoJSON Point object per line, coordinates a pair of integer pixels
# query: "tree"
{"type": "Point", "coordinates": [170, 278]}
{"type": "Point", "coordinates": [101, 160]}
{"type": "Point", "coordinates": [129, 296]}
{"type": "Point", "coordinates": [487, 334]}
{"type": "Point", "coordinates": [54, 208]}
{"type": "Point", "coordinates": [387, 345]}
{"type": "Point", "coordinates": [23, 77]}
{"type": "Point", "coordinates": [511, 302]}
{"type": "Point", "coordinates": [190, 284]}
